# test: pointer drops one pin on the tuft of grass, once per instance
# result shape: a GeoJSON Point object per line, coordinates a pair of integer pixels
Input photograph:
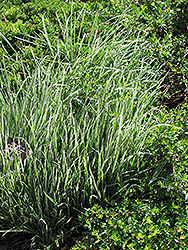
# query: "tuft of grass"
{"type": "Point", "coordinates": [84, 113]}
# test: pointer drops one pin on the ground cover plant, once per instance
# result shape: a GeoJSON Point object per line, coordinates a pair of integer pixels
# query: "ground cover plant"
{"type": "Point", "coordinates": [85, 104]}
{"type": "Point", "coordinates": [135, 224]}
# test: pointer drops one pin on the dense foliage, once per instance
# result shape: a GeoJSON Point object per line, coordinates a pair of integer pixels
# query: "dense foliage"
{"type": "Point", "coordinates": [135, 225]}
{"type": "Point", "coordinates": [165, 25]}
{"type": "Point", "coordinates": [97, 94]}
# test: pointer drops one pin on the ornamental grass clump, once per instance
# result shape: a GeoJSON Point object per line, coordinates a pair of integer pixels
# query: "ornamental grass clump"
{"type": "Point", "coordinates": [84, 113]}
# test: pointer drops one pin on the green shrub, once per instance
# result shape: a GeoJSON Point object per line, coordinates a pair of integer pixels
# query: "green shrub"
{"type": "Point", "coordinates": [176, 149]}
{"type": "Point", "coordinates": [167, 24]}
{"type": "Point", "coordinates": [135, 224]}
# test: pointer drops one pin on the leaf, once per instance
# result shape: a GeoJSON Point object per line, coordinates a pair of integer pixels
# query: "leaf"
{"type": "Point", "coordinates": [52, 200]}
{"type": "Point", "coordinates": [182, 237]}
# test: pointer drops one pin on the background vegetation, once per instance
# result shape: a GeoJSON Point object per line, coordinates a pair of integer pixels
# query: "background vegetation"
{"type": "Point", "coordinates": [97, 92]}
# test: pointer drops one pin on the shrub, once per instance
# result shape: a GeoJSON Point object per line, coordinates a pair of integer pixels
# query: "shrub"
{"type": "Point", "coordinates": [167, 23]}
{"type": "Point", "coordinates": [135, 224]}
